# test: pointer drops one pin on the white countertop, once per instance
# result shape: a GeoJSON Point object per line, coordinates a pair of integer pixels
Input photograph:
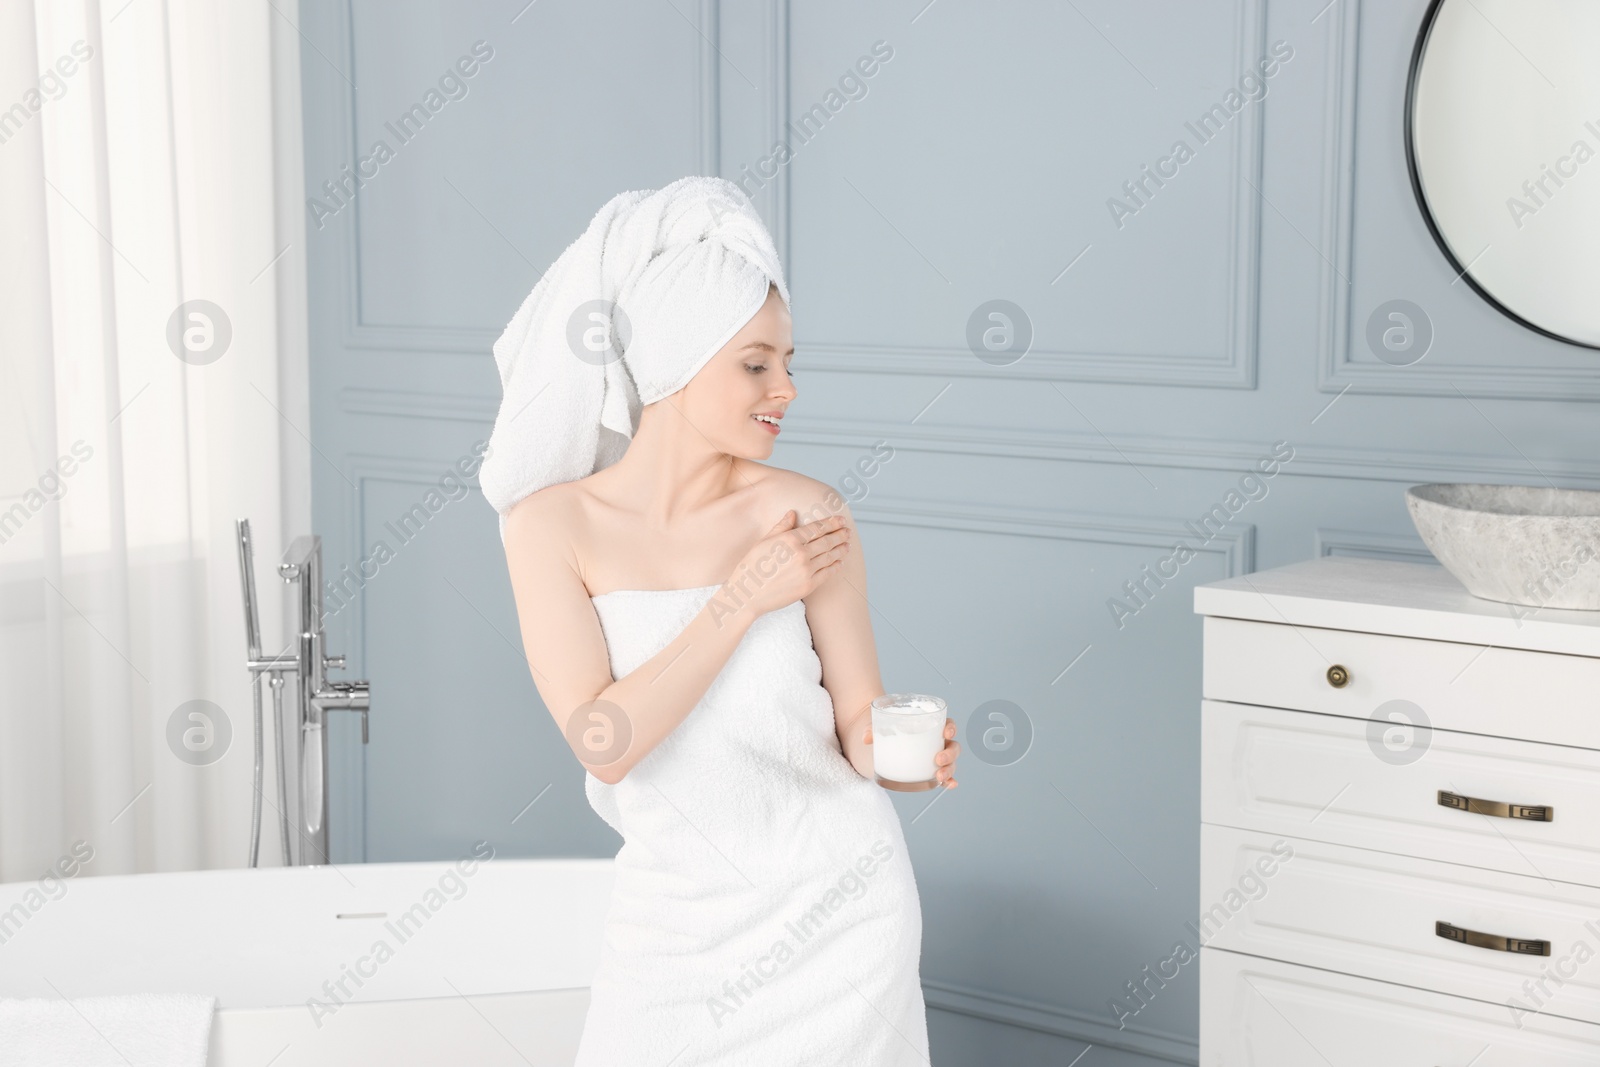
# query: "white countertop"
{"type": "Point", "coordinates": [1392, 597]}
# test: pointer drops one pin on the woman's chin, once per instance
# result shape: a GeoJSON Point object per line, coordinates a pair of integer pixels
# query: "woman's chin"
{"type": "Point", "coordinates": [759, 448]}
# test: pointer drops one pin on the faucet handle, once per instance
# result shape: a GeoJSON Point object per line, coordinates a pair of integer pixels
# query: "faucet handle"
{"type": "Point", "coordinates": [348, 696]}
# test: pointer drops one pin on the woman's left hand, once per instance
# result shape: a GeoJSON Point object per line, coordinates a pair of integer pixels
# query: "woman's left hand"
{"type": "Point", "coordinates": [947, 759]}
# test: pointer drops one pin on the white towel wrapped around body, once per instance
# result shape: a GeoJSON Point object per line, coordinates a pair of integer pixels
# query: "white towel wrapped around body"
{"type": "Point", "coordinates": [653, 288]}
{"type": "Point", "coordinates": [765, 910]}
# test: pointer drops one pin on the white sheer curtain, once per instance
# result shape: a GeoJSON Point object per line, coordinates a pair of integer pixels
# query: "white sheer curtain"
{"type": "Point", "coordinates": [149, 157]}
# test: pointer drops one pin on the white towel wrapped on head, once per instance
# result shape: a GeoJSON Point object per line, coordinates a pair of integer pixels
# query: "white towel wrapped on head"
{"type": "Point", "coordinates": [655, 286]}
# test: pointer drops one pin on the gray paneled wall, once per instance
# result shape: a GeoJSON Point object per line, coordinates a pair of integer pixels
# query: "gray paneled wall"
{"type": "Point", "coordinates": [1198, 207]}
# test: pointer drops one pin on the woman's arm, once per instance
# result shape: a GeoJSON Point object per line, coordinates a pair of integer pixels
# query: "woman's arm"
{"type": "Point", "coordinates": [841, 632]}
{"type": "Point", "coordinates": [566, 651]}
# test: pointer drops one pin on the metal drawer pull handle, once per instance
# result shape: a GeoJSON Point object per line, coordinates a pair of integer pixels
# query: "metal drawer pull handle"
{"type": "Point", "coordinates": [1531, 812]}
{"type": "Point", "coordinates": [1338, 677]}
{"type": "Point", "coordinates": [1494, 941]}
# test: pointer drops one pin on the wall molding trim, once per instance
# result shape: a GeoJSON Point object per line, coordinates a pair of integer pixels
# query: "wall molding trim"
{"type": "Point", "coordinates": [338, 136]}
{"type": "Point", "coordinates": [1328, 541]}
{"type": "Point", "coordinates": [776, 192]}
{"type": "Point", "coordinates": [1338, 196]}
{"type": "Point", "coordinates": [1411, 466]}
{"type": "Point", "coordinates": [410, 404]}
{"type": "Point", "coordinates": [1235, 543]}
{"type": "Point", "coordinates": [710, 113]}
{"type": "Point", "coordinates": [1060, 1022]}
{"type": "Point", "coordinates": [1233, 368]}
{"type": "Point", "coordinates": [347, 777]}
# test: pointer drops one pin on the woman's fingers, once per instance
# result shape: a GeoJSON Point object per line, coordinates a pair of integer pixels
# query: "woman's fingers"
{"type": "Point", "coordinates": [947, 774]}
{"type": "Point", "coordinates": [825, 565]}
{"type": "Point", "coordinates": [835, 543]}
{"type": "Point", "coordinates": [822, 527]}
{"type": "Point", "coordinates": [823, 543]}
{"type": "Point", "coordinates": [826, 553]}
{"type": "Point", "coordinates": [946, 759]}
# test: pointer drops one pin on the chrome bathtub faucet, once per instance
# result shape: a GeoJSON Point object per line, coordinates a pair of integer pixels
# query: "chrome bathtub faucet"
{"type": "Point", "coordinates": [317, 696]}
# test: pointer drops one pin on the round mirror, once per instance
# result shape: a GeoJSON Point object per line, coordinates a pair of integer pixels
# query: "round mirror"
{"type": "Point", "coordinates": [1502, 134]}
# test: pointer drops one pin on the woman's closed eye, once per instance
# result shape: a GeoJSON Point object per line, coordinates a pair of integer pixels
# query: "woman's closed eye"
{"type": "Point", "coordinates": [762, 370]}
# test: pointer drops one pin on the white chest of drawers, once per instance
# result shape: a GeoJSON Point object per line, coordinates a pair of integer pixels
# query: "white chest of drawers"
{"type": "Point", "coordinates": [1400, 823]}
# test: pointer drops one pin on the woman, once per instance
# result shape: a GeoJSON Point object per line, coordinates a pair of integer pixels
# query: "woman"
{"type": "Point", "coordinates": [697, 624]}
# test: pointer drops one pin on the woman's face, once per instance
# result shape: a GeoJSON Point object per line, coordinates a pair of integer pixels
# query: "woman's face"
{"type": "Point", "coordinates": [748, 377]}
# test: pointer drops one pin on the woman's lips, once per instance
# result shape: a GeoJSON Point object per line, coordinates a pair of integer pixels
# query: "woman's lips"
{"type": "Point", "coordinates": [769, 427]}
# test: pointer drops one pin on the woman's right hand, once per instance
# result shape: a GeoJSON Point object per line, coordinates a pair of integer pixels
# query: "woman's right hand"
{"type": "Point", "coordinates": [789, 562]}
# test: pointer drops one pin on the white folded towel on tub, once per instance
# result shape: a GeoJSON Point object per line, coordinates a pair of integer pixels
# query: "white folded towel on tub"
{"type": "Point", "coordinates": [169, 1029]}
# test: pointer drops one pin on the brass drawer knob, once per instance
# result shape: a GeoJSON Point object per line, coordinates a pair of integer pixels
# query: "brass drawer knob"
{"type": "Point", "coordinates": [1338, 677]}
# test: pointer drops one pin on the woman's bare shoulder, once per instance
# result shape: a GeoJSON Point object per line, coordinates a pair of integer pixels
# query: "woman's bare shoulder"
{"type": "Point", "coordinates": [548, 517]}
{"type": "Point", "coordinates": [783, 489]}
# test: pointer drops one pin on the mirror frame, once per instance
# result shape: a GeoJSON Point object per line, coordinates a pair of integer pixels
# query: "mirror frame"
{"type": "Point", "coordinates": [1417, 52]}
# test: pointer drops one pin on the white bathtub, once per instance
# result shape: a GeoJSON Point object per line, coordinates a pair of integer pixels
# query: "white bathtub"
{"type": "Point", "coordinates": [470, 962]}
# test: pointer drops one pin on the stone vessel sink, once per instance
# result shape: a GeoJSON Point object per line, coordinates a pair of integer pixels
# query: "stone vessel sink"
{"type": "Point", "coordinates": [1518, 544]}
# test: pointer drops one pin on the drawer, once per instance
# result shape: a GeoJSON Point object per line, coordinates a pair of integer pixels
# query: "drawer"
{"type": "Point", "coordinates": [1374, 915]}
{"type": "Point", "coordinates": [1264, 1013]}
{"type": "Point", "coordinates": [1504, 692]}
{"type": "Point", "coordinates": [1317, 776]}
